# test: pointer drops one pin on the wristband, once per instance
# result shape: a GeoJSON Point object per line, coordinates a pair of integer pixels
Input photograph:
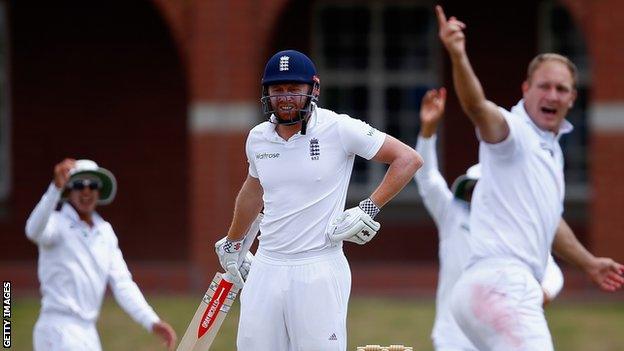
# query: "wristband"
{"type": "Point", "coordinates": [369, 207]}
{"type": "Point", "coordinates": [233, 246]}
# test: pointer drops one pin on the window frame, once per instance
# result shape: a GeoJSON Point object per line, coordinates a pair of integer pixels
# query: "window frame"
{"type": "Point", "coordinates": [377, 79]}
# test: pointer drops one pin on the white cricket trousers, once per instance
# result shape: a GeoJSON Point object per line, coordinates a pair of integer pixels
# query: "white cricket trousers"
{"type": "Point", "coordinates": [62, 332]}
{"type": "Point", "coordinates": [498, 305]}
{"type": "Point", "coordinates": [295, 302]}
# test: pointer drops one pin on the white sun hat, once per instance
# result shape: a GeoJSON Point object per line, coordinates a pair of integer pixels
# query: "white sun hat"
{"type": "Point", "coordinates": [88, 168]}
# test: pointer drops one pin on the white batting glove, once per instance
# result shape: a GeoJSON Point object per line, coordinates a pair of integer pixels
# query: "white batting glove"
{"type": "Point", "coordinates": [228, 253]}
{"type": "Point", "coordinates": [355, 224]}
{"type": "Point", "coordinates": [246, 265]}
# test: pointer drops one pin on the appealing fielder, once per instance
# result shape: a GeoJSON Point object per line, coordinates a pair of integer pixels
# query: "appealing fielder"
{"type": "Point", "coordinates": [517, 204]}
{"type": "Point", "coordinates": [300, 162]}
{"type": "Point", "coordinates": [78, 257]}
{"type": "Point", "coordinates": [450, 209]}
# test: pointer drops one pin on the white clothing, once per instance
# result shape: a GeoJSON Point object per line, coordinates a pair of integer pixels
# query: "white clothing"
{"type": "Point", "coordinates": [61, 332]}
{"type": "Point", "coordinates": [516, 208]}
{"type": "Point", "coordinates": [451, 217]}
{"type": "Point", "coordinates": [305, 179]}
{"type": "Point", "coordinates": [498, 305]}
{"type": "Point", "coordinates": [77, 261]}
{"type": "Point", "coordinates": [303, 304]}
{"type": "Point", "coordinates": [517, 204]}
{"type": "Point", "coordinates": [298, 288]}
{"type": "Point", "coordinates": [553, 279]}
{"type": "Point", "coordinates": [452, 220]}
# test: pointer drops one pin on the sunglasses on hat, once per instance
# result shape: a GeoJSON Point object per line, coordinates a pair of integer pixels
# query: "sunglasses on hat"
{"type": "Point", "coordinates": [81, 184]}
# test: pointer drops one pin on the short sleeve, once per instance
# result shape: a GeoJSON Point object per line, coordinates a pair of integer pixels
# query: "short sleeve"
{"type": "Point", "coordinates": [250, 158]}
{"type": "Point", "coordinates": [510, 145]}
{"type": "Point", "coordinates": [359, 138]}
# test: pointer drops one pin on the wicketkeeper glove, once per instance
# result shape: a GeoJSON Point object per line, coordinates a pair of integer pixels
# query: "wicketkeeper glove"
{"type": "Point", "coordinates": [355, 224]}
{"type": "Point", "coordinates": [229, 254]}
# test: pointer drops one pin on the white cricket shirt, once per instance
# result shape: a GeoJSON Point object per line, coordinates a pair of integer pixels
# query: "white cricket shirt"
{"type": "Point", "coordinates": [305, 179]}
{"type": "Point", "coordinates": [452, 217]}
{"type": "Point", "coordinates": [518, 202]}
{"type": "Point", "coordinates": [76, 262]}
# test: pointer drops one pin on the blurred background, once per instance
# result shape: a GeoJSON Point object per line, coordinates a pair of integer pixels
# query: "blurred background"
{"type": "Point", "coordinates": [163, 93]}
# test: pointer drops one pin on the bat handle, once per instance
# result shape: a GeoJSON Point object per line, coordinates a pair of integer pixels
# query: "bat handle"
{"type": "Point", "coordinates": [250, 236]}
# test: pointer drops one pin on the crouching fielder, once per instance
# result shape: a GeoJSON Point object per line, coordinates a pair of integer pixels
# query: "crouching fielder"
{"type": "Point", "coordinates": [78, 257]}
{"type": "Point", "coordinates": [300, 162]}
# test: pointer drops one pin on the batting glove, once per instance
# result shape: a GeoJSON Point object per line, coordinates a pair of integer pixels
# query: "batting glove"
{"type": "Point", "coordinates": [229, 253]}
{"type": "Point", "coordinates": [246, 265]}
{"type": "Point", "coordinates": [355, 224]}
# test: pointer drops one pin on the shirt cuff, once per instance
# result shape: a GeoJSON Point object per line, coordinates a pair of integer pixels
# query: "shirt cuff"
{"type": "Point", "coordinates": [149, 321]}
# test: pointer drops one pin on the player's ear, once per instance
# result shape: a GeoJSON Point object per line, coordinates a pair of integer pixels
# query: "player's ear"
{"type": "Point", "coordinates": [525, 88]}
{"type": "Point", "coordinates": [574, 95]}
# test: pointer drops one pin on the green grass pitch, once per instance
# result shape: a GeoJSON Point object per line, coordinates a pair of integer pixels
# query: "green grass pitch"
{"type": "Point", "coordinates": [583, 325]}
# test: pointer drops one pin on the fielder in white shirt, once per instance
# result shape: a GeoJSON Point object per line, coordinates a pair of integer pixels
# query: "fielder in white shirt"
{"type": "Point", "coordinates": [300, 162]}
{"type": "Point", "coordinates": [517, 205]}
{"type": "Point", "coordinates": [450, 209]}
{"type": "Point", "coordinates": [78, 257]}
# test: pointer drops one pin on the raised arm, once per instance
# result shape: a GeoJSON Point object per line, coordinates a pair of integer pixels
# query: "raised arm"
{"type": "Point", "coordinates": [432, 187]}
{"type": "Point", "coordinates": [483, 113]}
{"type": "Point", "coordinates": [605, 272]}
{"type": "Point", "coordinates": [37, 229]}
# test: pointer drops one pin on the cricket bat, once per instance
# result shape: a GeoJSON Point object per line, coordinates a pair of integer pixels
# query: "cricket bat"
{"type": "Point", "coordinates": [216, 303]}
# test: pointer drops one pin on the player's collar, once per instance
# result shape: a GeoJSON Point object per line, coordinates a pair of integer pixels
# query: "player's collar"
{"type": "Point", "coordinates": [270, 132]}
{"type": "Point", "coordinates": [70, 212]}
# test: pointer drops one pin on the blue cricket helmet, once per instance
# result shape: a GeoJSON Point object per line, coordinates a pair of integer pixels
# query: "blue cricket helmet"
{"type": "Point", "coordinates": [290, 66]}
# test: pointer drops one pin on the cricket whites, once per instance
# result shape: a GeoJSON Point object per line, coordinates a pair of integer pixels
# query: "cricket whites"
{"type": "Point", "coordinates": [216, 303]}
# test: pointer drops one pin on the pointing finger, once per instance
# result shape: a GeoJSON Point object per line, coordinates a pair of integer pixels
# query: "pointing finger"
{"type": "Point", "coordinates": [441, 16]}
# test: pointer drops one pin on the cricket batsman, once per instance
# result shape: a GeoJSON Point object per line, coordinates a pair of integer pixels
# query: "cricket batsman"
{"type": "Point", "coordinates": [300, 161]}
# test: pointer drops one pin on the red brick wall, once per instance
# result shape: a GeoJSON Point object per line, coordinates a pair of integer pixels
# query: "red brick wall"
{"type": "Point", "coordinates": [608, 195]}
{"type": "Point", "coordinates": [88, 87]}
{"type": "Point", "coordinates": [219, 171]}
{"type": "Point", "coordinates": [136, 80]}
{"type": "Point", "coordinates": [603, 27]}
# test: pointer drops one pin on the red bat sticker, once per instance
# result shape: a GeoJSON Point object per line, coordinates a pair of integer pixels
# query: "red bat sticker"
{"type": "Point", "coordinates": [214, 306]}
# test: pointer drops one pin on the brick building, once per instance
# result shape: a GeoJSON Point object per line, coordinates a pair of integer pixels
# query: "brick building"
{"type": "Point", "coordinates": [163, 93]}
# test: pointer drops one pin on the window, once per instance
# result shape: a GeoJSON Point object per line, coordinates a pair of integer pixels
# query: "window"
{"type": "Point", "coordinates": [5, 126]}
{"type": "Point", "coordinates": [558, 33]}
{"type": "Point", "coordinates": [376, 61]}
